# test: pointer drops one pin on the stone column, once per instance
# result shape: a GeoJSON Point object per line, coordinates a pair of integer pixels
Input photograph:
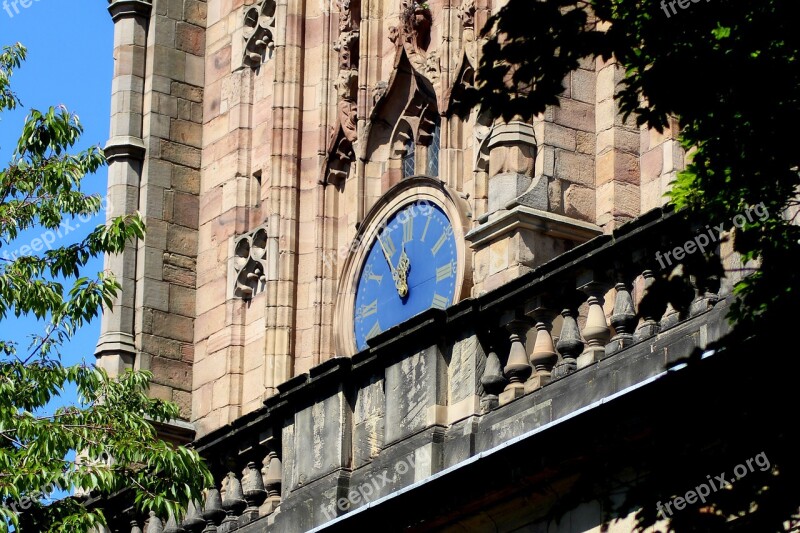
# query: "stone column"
{"type": "Point", "coordinates": [125, 152]}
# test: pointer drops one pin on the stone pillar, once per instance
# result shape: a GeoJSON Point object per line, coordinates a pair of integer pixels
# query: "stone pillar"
{"type": "Point", "coordinates": [125, 152]}
{"type": "Point", "coordinates": [617, 149]}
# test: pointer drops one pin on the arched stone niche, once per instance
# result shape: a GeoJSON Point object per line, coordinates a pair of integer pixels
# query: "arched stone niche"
{"type": "Point", "coordinates": [405, 115]}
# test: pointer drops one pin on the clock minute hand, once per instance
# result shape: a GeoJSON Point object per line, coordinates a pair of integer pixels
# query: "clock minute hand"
{"type": "Point", "coordinates": [399, 278]}
{"type": "Point", "coordinates": [388, 258]}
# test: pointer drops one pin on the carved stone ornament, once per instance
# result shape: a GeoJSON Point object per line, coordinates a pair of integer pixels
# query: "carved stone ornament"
{"type": "Point", "coordinates": [250, 263]}
{"type": "Point", "coordinates": [259, 33]}
{"type": "Point", "coordinates": [345, 132]}
{"type": "Point", "coordinates": [413, 35]}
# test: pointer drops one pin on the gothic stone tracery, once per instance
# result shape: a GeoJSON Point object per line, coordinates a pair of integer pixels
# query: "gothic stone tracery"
{"type": "Point", "coordinates": [259, 33]}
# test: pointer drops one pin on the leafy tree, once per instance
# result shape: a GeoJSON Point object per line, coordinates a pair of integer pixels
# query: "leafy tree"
{"type": "Point", "coordinates": [111, 427]}
{"type": "Point", "coordinates": [729, 71]}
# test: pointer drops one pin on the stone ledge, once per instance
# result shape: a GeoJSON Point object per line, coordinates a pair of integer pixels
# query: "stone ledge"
{"type": "Point", "coordinates": [124, 147]}
{"type": "Point", "coordinates": [522, 217]}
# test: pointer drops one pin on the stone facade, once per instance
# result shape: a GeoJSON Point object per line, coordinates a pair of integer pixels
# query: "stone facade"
{"type": "Point", "coordinates": [291, 119]}
{"type": "Point", "coordinates": [259, 138]}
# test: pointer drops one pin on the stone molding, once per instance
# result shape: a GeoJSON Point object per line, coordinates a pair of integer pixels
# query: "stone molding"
{"type": "Point", "coordinates": [521, 217]}
{"type": "Point", "coordinates": [124, 147]}
{"type": "Point", "coordinates": [128, 8]}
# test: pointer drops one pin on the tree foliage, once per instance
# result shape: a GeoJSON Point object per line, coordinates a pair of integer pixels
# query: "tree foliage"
{"type": "Point", "coordinates": [728, 71]}
{"type": "Point", "coordinates": [106, 442]}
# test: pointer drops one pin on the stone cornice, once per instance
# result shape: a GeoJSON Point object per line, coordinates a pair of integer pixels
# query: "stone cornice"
{"type": "Point", "coordinates": [128, 8]}
{"type": "Point", "coordinates": [519, 217]}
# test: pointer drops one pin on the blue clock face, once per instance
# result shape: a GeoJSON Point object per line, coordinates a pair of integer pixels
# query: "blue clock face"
{"type": "Point", "coordinates": [412, 265]}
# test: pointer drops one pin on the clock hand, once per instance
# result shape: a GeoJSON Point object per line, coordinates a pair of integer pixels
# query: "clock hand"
{"type": "Point", "coordinates": [401, 282]}
{"type": "Point", "coordinates": [388, 258]}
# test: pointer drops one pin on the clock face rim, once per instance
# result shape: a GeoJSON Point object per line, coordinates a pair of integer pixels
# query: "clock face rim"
{"type": "Point", "coordinates": [408, 191]}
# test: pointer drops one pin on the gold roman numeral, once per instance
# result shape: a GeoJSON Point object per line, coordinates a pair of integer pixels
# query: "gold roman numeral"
{"type": "Point", "coordinates": [408, 229]}
{"type": "Point", "coordinates": [439, 243]}
{"type": "Point", "coordinates": [367, 310]}
{"type": "Point", "coordinates": [388, 243]}
{"type": "Point", "coordinates": [445, 271]}
{"type": "Point", "coordinates": [376, 328]}
{"type": "Point", "coordinates": [439, 301]}
{"type": "Point", "coordinates": [425, 230]}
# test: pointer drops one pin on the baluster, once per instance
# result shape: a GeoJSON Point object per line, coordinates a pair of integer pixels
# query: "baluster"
{"type": "Point", "coordinates": [518, 369]}
{"type": "Point", "coordinates": [172, 525]}
{"type": "Point", "coordinates": [232, 503]}
{"type": "Point", "coordinates": [543, 356]}
{"type": "Point", "coordinates": [154, 524]}
{"type": "Point", "coordinates": [649, 325]}
{"type": "Point", "coordinates": [704, 298]}
{"type": "Point", "coordinates": [254, 492]}
{"type": "Point", "coordinates": [670, 318]}
{"type": "Point", "coordinates": [273, 481]}
{"type": "Point", "coordinates": [596, 331]}
{"type": "Point", "coordinates": [194, 521]}
{"type": "Point", "coordinates": [623, 320]}
{"type": "Point", "coordinates": [493, 381]}
{"type": "Point", "coordinates": [569, 345]}
{"type": "Point", "coordinates": [212, 510]}
{"type": "Point", "coordinates": [134, 527]}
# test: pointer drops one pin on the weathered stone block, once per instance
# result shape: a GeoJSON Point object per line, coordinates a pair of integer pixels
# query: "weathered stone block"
{"type": "Point", "coordinates": [415, 392]}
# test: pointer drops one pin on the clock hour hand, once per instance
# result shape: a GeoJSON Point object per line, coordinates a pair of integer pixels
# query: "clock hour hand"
{"type": "Point", "coordinates": [388, 258]}
{"type": "Point", "coordinates": [398, 275]}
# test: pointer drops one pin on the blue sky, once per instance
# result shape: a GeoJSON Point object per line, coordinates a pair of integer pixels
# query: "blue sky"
{"type": "Point", "coordinates": [70, 61]}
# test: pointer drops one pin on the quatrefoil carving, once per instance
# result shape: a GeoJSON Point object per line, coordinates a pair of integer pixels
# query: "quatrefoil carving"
{"type": "Point", "coordinates": [250, 263]}
{"type": "Point", "coordinates": [259, 33]}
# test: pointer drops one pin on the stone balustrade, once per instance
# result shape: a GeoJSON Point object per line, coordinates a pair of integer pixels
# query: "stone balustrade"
{"type": "Point", "coordinates": [450, 384]}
